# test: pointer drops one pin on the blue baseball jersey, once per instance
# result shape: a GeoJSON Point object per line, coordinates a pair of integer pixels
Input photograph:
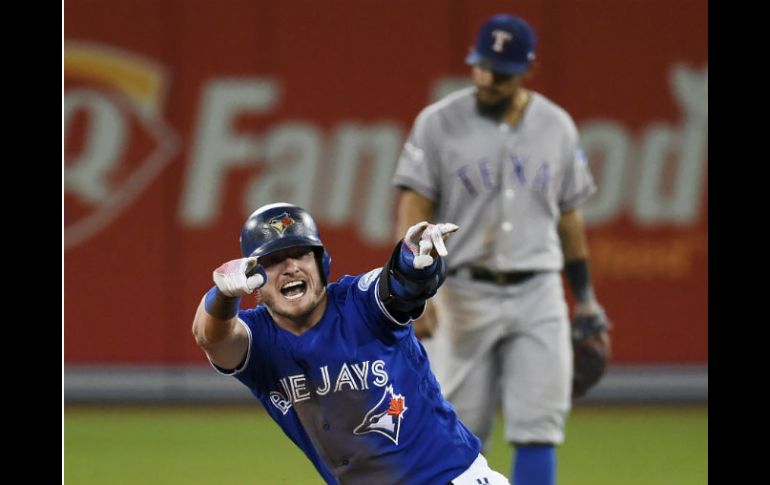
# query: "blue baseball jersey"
{"type": "Point", "coordinates": [356, 393]}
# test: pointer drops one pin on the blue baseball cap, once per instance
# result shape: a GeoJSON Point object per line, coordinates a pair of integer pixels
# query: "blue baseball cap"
{"type": "Point", "coordinates": [505, 44]}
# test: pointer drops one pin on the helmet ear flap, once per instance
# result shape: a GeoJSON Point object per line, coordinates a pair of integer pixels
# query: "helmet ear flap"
{"type": "Point", "coordinates": [324, 263]}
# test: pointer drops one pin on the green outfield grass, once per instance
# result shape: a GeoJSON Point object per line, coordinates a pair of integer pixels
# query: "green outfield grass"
{"type": "Point", "coordinates": [169, 446]}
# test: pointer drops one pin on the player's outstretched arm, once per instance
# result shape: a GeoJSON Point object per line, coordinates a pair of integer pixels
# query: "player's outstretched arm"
{"type": "Point", "coordinates": [412, 208]}
{"type": "Point", "coordinates": [215, 326]}
{"type": "Point", "coordinates": [415, 269]}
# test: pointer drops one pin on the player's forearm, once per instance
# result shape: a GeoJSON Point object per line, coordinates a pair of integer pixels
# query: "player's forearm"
{"type": "Point", "coordinates": [412, 208]}
{"type": "Point", "coordinates": [575, 247]}
{"type": "Point", "coordinates": [209, 330]}
{"type": "Point", "coordinates": [572, 234]}
{"type": "Point", "coordinates": [415, 269]}
{"type": "Point", "coordinates": [405, 289]}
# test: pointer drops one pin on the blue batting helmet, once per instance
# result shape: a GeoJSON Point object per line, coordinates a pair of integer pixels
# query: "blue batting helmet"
{"type": "Point", "coordinates": [280, 226]}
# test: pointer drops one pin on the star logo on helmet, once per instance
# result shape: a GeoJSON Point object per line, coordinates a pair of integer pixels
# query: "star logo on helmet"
{"type": "Point", "coordinates": [281, 222]}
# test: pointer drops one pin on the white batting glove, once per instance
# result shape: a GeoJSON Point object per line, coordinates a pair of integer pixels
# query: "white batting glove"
{"type": "Point", "coordinates": [231, 278]}
{"type": "Point", "coordinates": [423, 238]}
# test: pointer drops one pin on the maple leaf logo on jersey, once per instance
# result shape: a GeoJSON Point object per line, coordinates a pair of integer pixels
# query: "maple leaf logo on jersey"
{"type": "Point", "coordinates": [281, 223]}
{"type": "Point", "coordinates": [385, 418]}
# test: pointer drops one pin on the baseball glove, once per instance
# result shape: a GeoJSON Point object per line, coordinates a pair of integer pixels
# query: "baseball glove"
{"type": "Point", "coordinates": [591, 350]}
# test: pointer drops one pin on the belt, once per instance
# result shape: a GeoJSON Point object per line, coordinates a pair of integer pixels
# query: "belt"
{"type": "Point", "coordinates": [496, 277]}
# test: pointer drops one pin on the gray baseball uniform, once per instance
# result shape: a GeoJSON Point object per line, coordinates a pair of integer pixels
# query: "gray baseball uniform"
{"type": "Point", "coordinates": [506, 187]}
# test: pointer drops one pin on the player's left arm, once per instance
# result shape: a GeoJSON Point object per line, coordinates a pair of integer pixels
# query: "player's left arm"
{"type": "Point", "coordinates": [574, 245]}
{"type": "Point", "coordinates": [590, 326]}
{"type": "Point", "coordinates": [415, 270]}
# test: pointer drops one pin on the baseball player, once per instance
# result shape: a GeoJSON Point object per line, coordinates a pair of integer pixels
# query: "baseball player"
{"type": "Point", "coordinates": [337, 365]}
{"type": "Point", "coordinates": [503, 162]}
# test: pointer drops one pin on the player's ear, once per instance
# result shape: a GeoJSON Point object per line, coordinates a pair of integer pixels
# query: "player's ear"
{"type": "Point", "coordinates": [532, 70]}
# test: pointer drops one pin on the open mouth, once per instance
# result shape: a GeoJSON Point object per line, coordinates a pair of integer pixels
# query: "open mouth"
{"type": "Point", "coordinates": [294, 290]}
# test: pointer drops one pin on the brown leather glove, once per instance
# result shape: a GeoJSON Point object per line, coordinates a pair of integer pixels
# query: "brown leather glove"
{"type": "Point", "coordinates": [591, 350]}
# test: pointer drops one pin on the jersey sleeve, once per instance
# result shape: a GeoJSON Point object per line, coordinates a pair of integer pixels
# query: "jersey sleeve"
{"type": "Point", "coordinates": [382, 324]}
{"type": "Point", "coordinates": [417, 167]}
{"type": "Point", "coordinates": [578, 183]}
{"type": "Point", "coordinates": [248, 372]}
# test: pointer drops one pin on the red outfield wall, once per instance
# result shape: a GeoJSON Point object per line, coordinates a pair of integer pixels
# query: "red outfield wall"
{"type": "Point", "coordinates": [180, 117]}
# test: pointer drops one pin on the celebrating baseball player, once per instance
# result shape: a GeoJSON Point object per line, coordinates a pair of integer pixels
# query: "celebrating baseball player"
{"type": "Point", "coordinates": [504, 162]}
{"type": "Point", "coordinates": [337, 365]}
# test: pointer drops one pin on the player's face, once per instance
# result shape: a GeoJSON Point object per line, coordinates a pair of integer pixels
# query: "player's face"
{"type": "Point", "coordinates": [493, 88]}
{"type": "Point", "coordinates": [294, 289]}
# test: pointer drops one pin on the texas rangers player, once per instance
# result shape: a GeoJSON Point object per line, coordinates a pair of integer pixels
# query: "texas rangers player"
{"type": "Point", "coordinates": [504, 163]}
{"type": "Point", "coordinates": [338, 366]}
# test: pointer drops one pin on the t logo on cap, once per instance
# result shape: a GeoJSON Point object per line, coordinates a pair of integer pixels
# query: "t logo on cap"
{"type": "Point", "coordinates": [501, 37]}
{"type": "Point", "coordinates": [505, 44]}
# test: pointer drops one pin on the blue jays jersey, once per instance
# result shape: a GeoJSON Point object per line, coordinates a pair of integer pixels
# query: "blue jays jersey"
{"type": "Point", "coordinates": [356, 393]}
